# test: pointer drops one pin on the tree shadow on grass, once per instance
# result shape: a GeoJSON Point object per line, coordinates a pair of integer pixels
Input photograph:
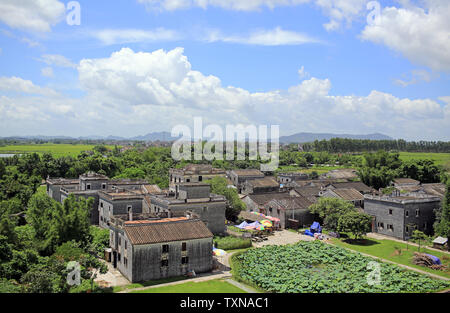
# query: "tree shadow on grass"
{"type": "Point", "coordinates": [361, 242]}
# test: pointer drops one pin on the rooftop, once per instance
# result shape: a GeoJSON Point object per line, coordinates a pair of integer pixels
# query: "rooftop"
{"type": "Point", "coordinates": [406, 181]}
{"type": "Point", "coordinates": [263, 182]}
{"type": "Point", "coordinates": [293, 203]}
{"type": "Point", "coordinates": [261, 199]}
{"type": "Point", "coordinates": [360, 186]}
{"type": "Point", "coordinates": [166, 230]}
{"type": "Point", "coordinates": [349, 194]}
{"type": "Point", "coordinates": [416, 198]}
{"type": "Point", "coordinates": [93, 176]}
{"type": "Point", "coordinates": [248, 172]}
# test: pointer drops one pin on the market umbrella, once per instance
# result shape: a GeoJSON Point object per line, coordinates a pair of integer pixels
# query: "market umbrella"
{"type": "Point", "coordinates": [266, 223]}
{"type": "Point", "coordinates": [219, 252]}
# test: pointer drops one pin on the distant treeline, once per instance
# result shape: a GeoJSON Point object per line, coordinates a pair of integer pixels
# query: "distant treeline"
{"type": "Point", "coordinates": [336, 145]}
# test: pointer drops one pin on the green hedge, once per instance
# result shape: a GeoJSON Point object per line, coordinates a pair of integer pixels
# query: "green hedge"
{"type": "Point", "coordinates": [232, 243]}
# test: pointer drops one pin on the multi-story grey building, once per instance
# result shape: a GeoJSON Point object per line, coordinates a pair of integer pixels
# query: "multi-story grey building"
{"type": "Point", "coordinates": [399, 216]}
{"type": "Point", "coordinates": [118, 202]}
{"type": "Point", "coordinates": [160, 248]}
{"type": "Point", "coordinates": [238, 177]}
{"type": "Point", "coordinates": [260, 185]}
{"type": "Point", "coordinates": [193, 173]}
{"type": "Point", "coordinates": [89, 185]}
{"type": "Point", "coordinates": [284, 178]}
{"type": "Point", "coordinates": [194, 197]}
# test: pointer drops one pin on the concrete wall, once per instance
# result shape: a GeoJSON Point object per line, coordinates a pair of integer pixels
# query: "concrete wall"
{"type": "Point", "coordinates": [144, 261]}
{"type": "Point", "coordinates": [193, 192]}
{"type": "Point", "coordinates": [398, 218]}
{"type": "Point", "coordinates": [108, 208]}
{"type": "Point", "coordinates": [95, 184]}
{"type": "Point", "coordinates": [211, 213]}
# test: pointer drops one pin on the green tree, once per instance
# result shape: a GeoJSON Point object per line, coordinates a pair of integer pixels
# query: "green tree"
{"type": "Point", "coordinates": [419, 236]}
{"type": "Point", "coordinates": [330, 209]}
{"type": "Point", "coordinates": [219, 185]}
{"type": "Point", "coordinates": [359, 224]}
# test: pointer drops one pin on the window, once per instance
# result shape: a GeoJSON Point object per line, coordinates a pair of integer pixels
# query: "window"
{"type": "Point", "coordinates": [380, 225]}
{"type": "Point", "coordinates": [165, 249]}
{"type": "Point", "coordinates": [164, 263]}
{"type": "Point", "coordinates": [120, 241]}
{"type": "Point", "coordinates": [407, 229]}
{"type": "Point", "coordinates": [183, 246]}
{"type": "Point", "coordinates": [118, 257]}
{"type": "Point", "coordinates": [129, 208]}
{"type": "Point", "coordinates": [188, 180]}
{"type": "Point", "coordinates": [125, 245]}
{"type": "Point", "coordinates": [200, 178]}
{"type": "Point", "coordinates": [185, 260]}
{"type": "Point", "coordinates": [125, 262]}
{"type": "Point", "coordinates": [88, 186]}
{"type": "Point", "coordinates": [390, 211]}
{"type": "Point", "coordinates": [417, 212]}
{"type": "Point", "coordinates": [270, 210]}
{"type": "Point", "coordinates": [101, 204]}
{"type": "Point", "coordinates": [424, 226]}
{"type": "Point", "coordinates": [390, 227]}
{"type": "Point", "coordinates": [103, 186]}
{"type": "Point", "coordinates": [406, 213]}
{"type": "Point", "coordinates": [278, 211]}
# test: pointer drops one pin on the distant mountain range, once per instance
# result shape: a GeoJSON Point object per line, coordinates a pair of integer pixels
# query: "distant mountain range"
{"type": "Point", "coordinates": [166, 136]}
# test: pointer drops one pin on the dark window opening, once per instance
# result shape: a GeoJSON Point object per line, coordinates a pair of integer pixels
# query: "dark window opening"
{"type": "Point", "coordinates": [165, 249]}
{"type": "Point", "coordinates": [200, 178]}
{"type": "Point", "coordinates": [183, 246]}
{"type": "Point", "coordinates": [164, 263]}
{"type": "Point", "coordinates": [185, 260]}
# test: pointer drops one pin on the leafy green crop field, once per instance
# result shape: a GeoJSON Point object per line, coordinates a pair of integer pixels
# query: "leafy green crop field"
{"type": "Point", "coordinates": [313, 267]}
{"type": "Point", "coordinates": [211, 286]}
{"type": "Point", "coordinates": [56, 149]}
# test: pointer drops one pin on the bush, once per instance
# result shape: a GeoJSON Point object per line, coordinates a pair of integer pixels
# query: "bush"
{"type": "Point", "coordinates": [231, 243]}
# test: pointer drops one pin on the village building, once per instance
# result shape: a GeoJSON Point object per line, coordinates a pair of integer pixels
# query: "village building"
{"type": "Point", "coordinates": [284, 178]}
{"type": "Point", "coordinates": [312, 193]}
{"type": "Point", "coordinates": [193, 173]}
{"type": "Point", "coordinates": [341, 174]}
{"type": "Point", "coordinates": [118, 202]}
{"type": "Point", "coordinates": [157, 248]}
{"type": "Point", "coordinates": [359, 186]}
{"type": "Point", "coordinates": [293, 212]}
{"type": "Point", "coordinates": [256, 202]}
{"type": "Point", "coordinates": [239, 177]}
{"type": "Point", "coordinates": [404, 182]}
{"type": "Point", "coordinates": [348, 194]}
{"type": "Point", "coordinates": [261, 185]}
{"type": "Point", "coordinates": [89, 185]}
{"type": "Point", "coordinates": [194, 197]}
{"type": "Point", "coordinates": [399, 216]}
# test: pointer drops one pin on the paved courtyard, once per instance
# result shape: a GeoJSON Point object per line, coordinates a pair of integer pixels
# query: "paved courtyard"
{"type": "Point", "coordinates": [283, 237]}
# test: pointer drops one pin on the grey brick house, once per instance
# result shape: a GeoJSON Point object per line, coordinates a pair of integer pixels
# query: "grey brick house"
{"type": "Point", "coordinates": [238, 177]}
{"type": "Point", "coordinates": [194, 197]}
{"type": "Point", "coordinates": [160, 248]}
{"type": "Point", "coordinates": [399, 216]}
{"type": "Point", "coordinates": [193, 173]}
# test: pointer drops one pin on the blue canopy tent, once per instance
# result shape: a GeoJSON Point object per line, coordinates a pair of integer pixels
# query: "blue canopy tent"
{"type": "Point", "coordinates": [316, 228]}
{"type": "Point", "coordinates": [242, 225]}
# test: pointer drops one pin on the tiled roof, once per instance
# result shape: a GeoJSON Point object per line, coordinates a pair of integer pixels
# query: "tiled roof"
{"type": "Point", "coordinates": [349, 194]}
{"type": "Point", "coordinates": [261, 199]}
{"type": "Point", "coordinates": [248, 172]}
{"type": "Point", "coordinates": [360, 186]}
{"type": "Point", "coordinates": [308, 191]}
{"type": "Point", "coordinates": [406, 181]}
{"type": "Point", "coordinates": [165, 230]}
{"type": "Point", "coordinates": [263, 182]}
{"type": "Point", "coordinates": [294, 203]}
{"type": "Point", "coordinates": [152, 189]}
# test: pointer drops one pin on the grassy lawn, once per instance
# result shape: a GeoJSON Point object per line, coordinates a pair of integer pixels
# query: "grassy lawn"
{"type": "Point", "coordinates": [394, 251]}
{"type": "Point", "coordinates": [57, 150]}
{"type": "Point", "coordinates": [211, 286]}
{"type": "Point", "coordinates": [149, 283]}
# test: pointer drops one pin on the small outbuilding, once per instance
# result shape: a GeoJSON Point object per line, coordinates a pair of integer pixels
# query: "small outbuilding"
{"type": "Point", "coordinates": [440, 243]}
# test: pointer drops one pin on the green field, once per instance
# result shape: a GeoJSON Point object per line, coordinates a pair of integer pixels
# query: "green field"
{"type": "Point", "coordinates": [396, 252]}
{"type": "Point", "coordinates": [57, 150]}
{"type": "Point", "coordinates": [211, 286]}
{"type": "Point", "coordinates": [438, 158]}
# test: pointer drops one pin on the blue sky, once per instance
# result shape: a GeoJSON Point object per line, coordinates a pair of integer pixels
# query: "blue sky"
{"type": "Point", "coordinates": [307, 65]}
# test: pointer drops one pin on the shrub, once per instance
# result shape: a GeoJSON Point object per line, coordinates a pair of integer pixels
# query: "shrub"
{"type": "Point", "coordinates": [231, 243]}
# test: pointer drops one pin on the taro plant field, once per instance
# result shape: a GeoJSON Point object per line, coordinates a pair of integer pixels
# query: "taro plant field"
{"type": "Point", "coordinates": [314, 267]}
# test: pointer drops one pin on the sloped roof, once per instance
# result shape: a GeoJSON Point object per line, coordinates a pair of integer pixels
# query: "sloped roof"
{"type": "Point", "coordinates": [248, 172]}
{"type": "Point", "coordinates": [350, 194]}
{"type": "Point", "coordinates": [435, 189]}
{"type": "Point", "coordinates": [263, 182]}
{"type": "Point", "coordinates": [360, 186]}
{"type": "Point", "coordinates": [261, 199]}
{"type": "Point", "coordinates": [152, 189]}
{"type": "Point", "coordinates": [294, 203]}
{"type": "Point", "coordinates": [166, 230]}
{"type": "Point", "coordinates": [406, 181]}
{"type": "Point", "coordinates": [308, 191]}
